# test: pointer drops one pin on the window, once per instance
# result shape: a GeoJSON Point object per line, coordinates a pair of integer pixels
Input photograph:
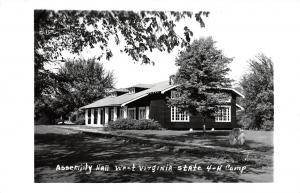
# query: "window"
{"type": "Point", "coordinates": [223, 114]}
{"type": "Point", "coordinates": [95, 116]}
{"type": "Point", "coordinates": [177, 116]}
{"type": "Point", "coordinates": [89, 116]}
{"type": "Point", "coordinates": [142, 112]}
{"type": "Point", "coordinates": [114, 94]}
{"type": "Point", "coordinates": [131, 113]}
{"type": "Point", "coordinates": [111, 114]}
{"type": "Point", "coordinates": [131, 90]}
{"type": "Point", "coordinates": [102, 118]}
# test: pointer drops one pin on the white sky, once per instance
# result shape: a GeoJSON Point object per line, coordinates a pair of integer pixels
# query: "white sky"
{"type": "Point", "coordinates": [241, 31]}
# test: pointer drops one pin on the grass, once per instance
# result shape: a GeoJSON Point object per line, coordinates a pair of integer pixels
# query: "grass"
{"type": "Point", "coordinates": [58, 145]}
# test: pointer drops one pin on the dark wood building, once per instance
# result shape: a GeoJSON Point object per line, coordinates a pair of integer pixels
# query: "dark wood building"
{"type": "Point", "coordinates": [149, 101]}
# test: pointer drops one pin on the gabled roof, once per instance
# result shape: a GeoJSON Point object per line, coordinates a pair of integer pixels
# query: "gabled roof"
{"type": "Point", "coordinates": [128, 98]}
{"type": "Point", "coordinates": [122, 100]}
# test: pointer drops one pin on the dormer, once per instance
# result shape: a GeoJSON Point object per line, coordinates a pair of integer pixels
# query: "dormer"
{"type": "Point", "coordinates": [138, 87]}
{"type": "Point", "coordinates": [131, 90]}
{"type": "Point", "coordinates": [118, 92]}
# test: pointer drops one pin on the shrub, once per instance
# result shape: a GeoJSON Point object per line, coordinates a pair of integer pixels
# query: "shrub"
{"type": "Point", "coordinates": [147, 124]}
{"type": "Point", "coordinates": [122, 124]}
{"type": "Point", "coordinates": [80, 121]}
{"type": "Point", "coordinates": [77, 117]}
{"type": "Point", "coordinates": [268, 125]}
{"type": "Point", "coordinates": [132, 124]}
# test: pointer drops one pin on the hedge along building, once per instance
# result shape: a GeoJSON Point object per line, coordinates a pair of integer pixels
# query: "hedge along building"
{"type": "Point", "coordinates": [149, 101]}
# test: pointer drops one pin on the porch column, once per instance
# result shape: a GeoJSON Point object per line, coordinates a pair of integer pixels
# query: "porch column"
{"type": "Point", "coordinates": [115, 113]}
{"type": "Point", "coordinates": [106, 109]}
{"type": "Point", "coordinates": [99, 117]}
{"type": "Point", "coordinates": [92, 116]}
{"type": "Point", "coordinates": [124, 112]}
{"type": "Point", "coordinates": [147, 112]}
{"type": "Point", "coordinates": [86, 117]}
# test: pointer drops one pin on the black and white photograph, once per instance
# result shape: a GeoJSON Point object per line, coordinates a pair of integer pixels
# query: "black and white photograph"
{"type": "Point", "coordinates": [191, 122]}
{"type": "Point", "coordinates": [151, 93]}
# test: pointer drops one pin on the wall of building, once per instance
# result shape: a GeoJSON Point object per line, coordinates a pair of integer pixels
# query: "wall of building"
{"type": "Point", "coordinates": [162, 113]}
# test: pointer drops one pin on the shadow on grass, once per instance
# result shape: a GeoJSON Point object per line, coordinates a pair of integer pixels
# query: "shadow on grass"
{"type": "Point", "coordinates": [68, 149]}
{"type": "Point", "coordinates": [192, 135]}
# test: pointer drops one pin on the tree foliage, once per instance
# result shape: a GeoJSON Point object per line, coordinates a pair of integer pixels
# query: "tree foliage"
{"type": "Point", "coordinates": [56, 31]}
{"type": "Point", "coordinates": [202, 71]}
{"type": "Point", "coordinates": [77, 83]}
{"type": "Point", "coordinates": [258, 88]}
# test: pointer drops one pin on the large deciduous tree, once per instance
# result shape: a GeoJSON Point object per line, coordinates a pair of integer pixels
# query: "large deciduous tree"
{"type": "Point", "coordinates": [78, 83]}
{"type": "Point", "coordinates": [258, 87]}
{"type": "Point", "coordinates": [202, 71]}
{"type": "Point", "coordinates": [56, 31]}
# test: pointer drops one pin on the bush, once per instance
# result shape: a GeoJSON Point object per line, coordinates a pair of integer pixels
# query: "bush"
{"type": "Point", "coordinates": [147, 124]}
{"type": "Point", "coordinates": [77, 117]}
{"type": "Point", "coordinates": [132, 124]}
{"type": "Point", "coordinates": [80, 121]}
{"type": "Point", "coordinates": [122, 124]}
{"type": "Point", "coordinates": [268, 125]}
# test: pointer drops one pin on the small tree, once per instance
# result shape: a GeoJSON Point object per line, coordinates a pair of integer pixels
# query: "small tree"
{"type": "Point", "coordinates": [202, 70]}
{"type": "Point", "coordinates": [259, 94]}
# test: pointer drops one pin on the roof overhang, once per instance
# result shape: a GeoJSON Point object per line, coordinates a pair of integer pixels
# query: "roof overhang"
{"type": "Point", "coordinates": [130, 101]}
{"type": "Point", "coordinates": [167, 89]}
{"type": "Point", "coordinates": [230, 89]}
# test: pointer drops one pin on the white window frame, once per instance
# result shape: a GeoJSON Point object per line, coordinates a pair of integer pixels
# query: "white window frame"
{"type": "Point", "coordinates": [134, 109]}
{"type": "Point", "coordinates": [142, 108]}
{"type": "Point", "coordinates": [175, 113]}
{"type": "Point", "coordinates": [228, 114]}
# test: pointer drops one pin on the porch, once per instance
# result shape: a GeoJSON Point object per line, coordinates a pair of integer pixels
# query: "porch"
{"type": "Point", "coordinates": [101, 116]}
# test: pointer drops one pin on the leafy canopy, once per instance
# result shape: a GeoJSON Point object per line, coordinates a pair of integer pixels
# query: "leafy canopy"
{"type": "Point", "coordinates": [202, 70]}
{"type": "Point", "coordinates": [74, 30]}
{"type": "Point", "coordinates": [258, 88]}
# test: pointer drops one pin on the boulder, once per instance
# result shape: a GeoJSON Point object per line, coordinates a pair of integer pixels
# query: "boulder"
{"type": "Point", "coordinates": [236, 137]}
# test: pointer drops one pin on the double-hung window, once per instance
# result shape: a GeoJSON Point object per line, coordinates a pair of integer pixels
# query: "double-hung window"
{"type": "Point", "coordinates": [142, 112]}
{"type": "Point", "coordinates": [223, 114]}
{"type": "Point", "coordinates": [176, 115]}
{"type": "Point", "coordinates": [131, 113]}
